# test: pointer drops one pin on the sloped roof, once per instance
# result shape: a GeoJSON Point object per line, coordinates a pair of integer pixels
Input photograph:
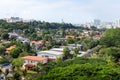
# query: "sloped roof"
{"type": "Point", "coordinates": [34, 58]}
{"type": "Point", "coordinates": [57, 53]}
{"type": "Point", "coordinates": [10, 48]}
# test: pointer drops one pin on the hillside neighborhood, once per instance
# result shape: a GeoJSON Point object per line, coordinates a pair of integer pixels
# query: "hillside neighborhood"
{"type": "Point", "coordinates": [28, 51]}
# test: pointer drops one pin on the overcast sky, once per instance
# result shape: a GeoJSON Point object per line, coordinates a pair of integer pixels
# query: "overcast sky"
{"type": "Point", "coordinates": [71, 11]}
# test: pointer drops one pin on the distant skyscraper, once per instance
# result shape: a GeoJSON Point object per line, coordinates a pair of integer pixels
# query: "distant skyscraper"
{"type": "Point", "coordinates": [15, 19]}
{"type": "Point", "coordinates": [97, 22]}
{"type": "Point", "coordinates": [117, 23]}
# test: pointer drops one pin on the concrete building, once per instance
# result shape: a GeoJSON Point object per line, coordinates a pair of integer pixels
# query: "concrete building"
{"type": "Point", "coordinates": [15, 19]}
{"type": "Point", "coordinates": [97, 22]}
{"type": "Point", "coordinates": [117, 23]}
{"type": "Point", "coordinates": [52, 54]}
{"type": "Point", "coordinates": [13, 35]}
{"type": "Point", "coordinates": [22, 39]}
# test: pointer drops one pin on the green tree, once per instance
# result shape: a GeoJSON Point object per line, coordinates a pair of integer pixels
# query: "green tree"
{"type": "Point", "coordinates": [44, 48]}
{"type": "Point", "coordinates": [70, 41]}
{"type": "Point", "coordinates": [111, 51]}
{"type": "Point", "coordinates": [17, 76]}
{"type": "Point", "coordinates": [5, 36]}
{"type": "Point", "coordinates": [66, 53]}
{"type": "Point", "coordinates": [18, 62]}
{"type": "Point", "coordinates": [76, 52]}
{"type": "Point", "coordinates": [3, 60]}
{"type": "Point", "coordinates": [15, 52]}
{"type": "Point", "coordinates": [38, 67]}
{"type": "Point", "coordinates": [2, 49]}
{"type": "Point", "coordinates": [23, 54]}
{"type": "Point", "coordinates": [26, 47]}
{"type": "Point", "coordinates": [111, 38]}
{"type": "Point", "coordinates": [82, 69]}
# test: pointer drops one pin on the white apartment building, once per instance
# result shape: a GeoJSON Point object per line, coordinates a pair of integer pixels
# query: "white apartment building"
{"type": "Point", "coordinates": [117, 23]}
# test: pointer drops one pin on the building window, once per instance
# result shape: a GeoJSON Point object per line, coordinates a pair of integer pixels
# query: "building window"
{"type": "Point", "coordinates": [46, 56]}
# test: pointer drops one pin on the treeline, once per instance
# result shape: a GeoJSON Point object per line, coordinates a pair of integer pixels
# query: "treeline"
{"type": "Point", "coordinates": [35, 24]}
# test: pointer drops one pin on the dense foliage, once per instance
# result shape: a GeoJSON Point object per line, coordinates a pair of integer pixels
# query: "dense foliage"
{"type": "Point", "coordinates": [111, 38]}
{"type": "Point", "coordinates": [38, 24]}
{"type": "Point", "coordinates": [101, 67]}
{"type": "Point", "coordinates": [111, 43]}
{"type": "Point", "coordinates": [82, 69]}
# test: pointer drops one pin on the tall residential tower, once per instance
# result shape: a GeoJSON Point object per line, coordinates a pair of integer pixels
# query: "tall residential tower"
{"type": "Point", "coordinates": [117, 23]}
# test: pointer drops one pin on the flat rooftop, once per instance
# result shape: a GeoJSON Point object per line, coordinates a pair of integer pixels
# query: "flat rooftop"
{"type": "Point", "coordinates": [52, 52]}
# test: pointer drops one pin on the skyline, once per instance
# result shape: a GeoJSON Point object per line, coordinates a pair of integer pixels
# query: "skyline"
{"type": "Point", "coordinates": [71, 11]}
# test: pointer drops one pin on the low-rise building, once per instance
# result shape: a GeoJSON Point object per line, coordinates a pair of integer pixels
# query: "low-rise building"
{"type": "Point", "coordinates": [52, 54]}
{"type": "Point", "coordinates": [31, 61]}
{"type": "Point", "coordinates": [36, 44]}
{"type": "Point", "coordinates": [22, 39]}
{"type": "Point", "coordinates": [13, 35]}
{"type": "Point", "coordinates": [60, 39]}
{"type": "Point", "coordinates": [73, 46]}
{"type": "Point", "coordinates": [10, 48]}
{"type": "Point", "coordinates": [73, 37]}
{"type": "Point", "coordinates": [97, 36]}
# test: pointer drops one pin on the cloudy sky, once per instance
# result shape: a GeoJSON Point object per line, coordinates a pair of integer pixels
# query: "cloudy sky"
{"type": "Point", "coordinates": [71, 11]}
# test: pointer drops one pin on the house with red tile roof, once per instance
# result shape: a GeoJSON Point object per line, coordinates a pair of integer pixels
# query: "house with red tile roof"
{"type": "Point", "coordinates": [31, 61]}
{"type": "Point", "coordinates": [97, 36]}
{"type": "Point", "coordinates": [73, 37]}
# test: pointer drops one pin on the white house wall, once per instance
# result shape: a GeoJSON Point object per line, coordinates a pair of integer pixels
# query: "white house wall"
{"type": "Point", "coordinates": [48, 56]}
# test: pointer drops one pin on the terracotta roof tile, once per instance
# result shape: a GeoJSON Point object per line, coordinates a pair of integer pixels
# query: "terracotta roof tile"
{"type": "Point", "coordinates": [70, 37]}
{"type": "Point", "coordinates": [34, 58]}
{"type": "Point", "coordinates": [11, 47]}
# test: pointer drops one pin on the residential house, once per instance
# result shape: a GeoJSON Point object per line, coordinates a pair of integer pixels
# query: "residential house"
{"type": "Point", "coordinates": [52, 54]}
{"type": "Point", "coordinates": [97, 36]}
{"type": "Point", "coordinates": [13, 35]}
{"type": "Point", "coordinates": [18, 31]}
{"type": "Point", "coordinates": [60, 39]}
{"type": "Point", "coordinates": [31, 61]}
{"type": "Point", "coordinates": [73, 37]}
{"type": "Point", "coordinates": [2, 42]}
{"type": "Point", "coordinates": [6, 68]}
{"type": "Point", "coordinates": [24, 40]}
{"type": "Point", "coordinates": [10, 48]}
{"type": "Point", "coordinates": [85, 33]}
{"type": "Point", "coordinates": [73, 46]}
{"type": "Point", "coordinates": [36, 45]}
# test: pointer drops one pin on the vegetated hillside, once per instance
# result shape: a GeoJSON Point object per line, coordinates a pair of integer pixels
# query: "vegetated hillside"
{"type": "Point", "coordinates": [111, 44]}
{"type": "Point", "coordinates": [81, 69]}
{"type": "Point", "coordinates": [111, 38]}
{"type": "Point", "coordinates": [102, 67]}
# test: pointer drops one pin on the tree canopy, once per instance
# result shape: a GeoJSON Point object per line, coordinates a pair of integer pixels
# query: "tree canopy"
{"type": "Point", "coordinates": [111, 38]}
{"type": "Point", "coordinates": [111, 43]}
{"type": "Point", "coordinates": [18, 62]}
{"type": "Point", "coordinates": [83, 69]}
{"type": "Point", "coordinates": [15, 52]}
